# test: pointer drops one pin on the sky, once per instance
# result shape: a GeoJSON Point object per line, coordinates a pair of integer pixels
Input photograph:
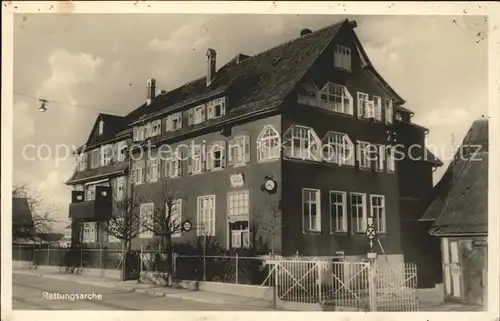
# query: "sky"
{"type": "Point", "coordinates": [90, 63]}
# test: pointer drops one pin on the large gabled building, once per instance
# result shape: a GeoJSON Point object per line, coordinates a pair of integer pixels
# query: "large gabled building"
{"type": "Point", "coordinates": [311, 120]}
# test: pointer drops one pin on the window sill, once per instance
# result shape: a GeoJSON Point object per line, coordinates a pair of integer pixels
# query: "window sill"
{"type": "Point", "coordinates": [311, 232]}
{"type": "Point", "coordinates": [216, 169]}
{"type": "Point", "coordinates": [268, 160]}
{"type": "Point", "coordinates": [239, 165]}
{"type": "Point", "coordinates": [173, 176]}
{"type": "Point", "coordinates": [196, 173]}
{"type": "Point", "coordinates": [339, 233]}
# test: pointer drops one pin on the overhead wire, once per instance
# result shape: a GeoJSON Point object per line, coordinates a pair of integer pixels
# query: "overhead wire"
{"type": "Point", "coordinates": [40, 99]}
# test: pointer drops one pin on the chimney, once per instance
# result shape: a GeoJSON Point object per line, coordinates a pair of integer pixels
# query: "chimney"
{"type": "Point", "coordinates": [211, 64]}
{"type": "Point", "coordinates": [151, 91]}
{"type": "Point", "coordinates": [305, 32]}
{"type": "Point", "coordinates": [353, 24]}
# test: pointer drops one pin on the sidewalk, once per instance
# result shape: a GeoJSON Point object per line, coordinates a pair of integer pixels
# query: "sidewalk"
{"type": "Point", "coordinates": [196, 296]}
{"type": "Point", "coordinates": [447, 307]}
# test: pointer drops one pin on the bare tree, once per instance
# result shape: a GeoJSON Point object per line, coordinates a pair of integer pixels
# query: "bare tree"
{"type": "Point", "coordinates": [268, 220]}
{"type": "Point", "coordinates": [42, 214]}
{"type": "Point", "coordinates": [126, 221]}
{"type": "Point", "coordinates": [166, 220]}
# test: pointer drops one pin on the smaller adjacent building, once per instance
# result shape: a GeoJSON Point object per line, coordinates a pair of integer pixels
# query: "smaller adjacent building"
{"type": "Point", "coordinates": [22, 221]}
{"type": "Point", "coordinates": [458, 210]}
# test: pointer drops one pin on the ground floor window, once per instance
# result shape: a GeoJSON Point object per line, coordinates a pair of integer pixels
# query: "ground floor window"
{"type": "Point", "coordinates": [89, 232]}
{"type": "Point", "coordinates": [240, 234]}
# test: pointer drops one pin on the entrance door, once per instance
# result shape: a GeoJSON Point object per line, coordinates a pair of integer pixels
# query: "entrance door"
{"type": "Point", "coordinates": [452, 268]}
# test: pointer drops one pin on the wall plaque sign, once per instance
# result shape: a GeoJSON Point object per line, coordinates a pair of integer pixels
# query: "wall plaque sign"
{"type": "Point", "coordinates": [236, 180]}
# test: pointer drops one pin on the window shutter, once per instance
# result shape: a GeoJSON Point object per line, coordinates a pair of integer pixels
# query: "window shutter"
{"type": "Point", "coordinates": [381, 155]}
{"type": "Point", "coordinates": [358, 154]}
{"type": "Point", "coordinates": [247, 149]}
{"type": "Point", "coordinates": [223, 106]}
{"type": "Point", "coordinates": [360, 106]}
{"type": "Point", "coordinates": [190, 116]}
{"type": "Point", "coordinates": [181, 164]}
{"type": "Point", "coordinates": [230, 152]}
{"type": "Point", "coordinates": [179, 117]}
{"type": "Point", "coordinates": [202, 114]}
{"type": "Point", "coordinates": [209, 158]}
{"type": "Point", "coordinates": [203, 156]}
{"type": "Point", "coordinates": [224, 154]}
{"type": "Point", "coordinates": [190, 162]}
{"type": "Point", "coordinates": [351, 219]}
{"type": "Point", "coordinates": [210, 110]}
{"type": "Point", "coordinates": [169, 123]}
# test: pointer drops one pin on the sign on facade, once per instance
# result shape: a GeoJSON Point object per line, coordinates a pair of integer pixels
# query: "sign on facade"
{"type": "Point", "coordinates": [236, 180]}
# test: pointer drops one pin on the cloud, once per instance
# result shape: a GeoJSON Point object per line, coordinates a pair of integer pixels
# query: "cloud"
{"type": "Point", "coordinates": [188, 37]}
{"type": "Point", "coordinates": [68, 71]}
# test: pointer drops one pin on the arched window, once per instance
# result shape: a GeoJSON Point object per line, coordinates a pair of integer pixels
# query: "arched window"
{"type": "Point", "coordinates": [302, 143]}
{"type": "Point", "coordinates": [337, 98]}
{"type": "Point", "coordinates": [101, 127]}
{"type": "Point", "coordinates": [338, 149]}
{"type": "Point", "coordinates": [268, 144]}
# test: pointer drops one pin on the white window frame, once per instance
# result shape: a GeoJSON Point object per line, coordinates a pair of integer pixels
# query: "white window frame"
{"type": "Point", "coordinates": [240, 238]}
{"type": "Point", "coordinates": [363, 99]}
{"type": "Point", "coordinates": [336, 98]}
{"type": "Point", "coordinates": [197, 159]}
{"type": "Point", "coordinates": [377, 102]}
{"type": "Point", "coordinates": [139, 172]}
{"type": "Point", "coordinates": [237, 150]}
{"type": "Point", "coordinates": [238, 203]}
{"type": "Point", "coordinates": [363, 154]}
{"type": "Point", "coordinates": [95, 158]}
{"type": "Point", "coordinates": [90, 192]}
{"type": "Point", "coordinates": [120, 157]}
{"type": "Point", "coordinates": [89, 232]}
{"type": "Point", "coordinates": [120, 188]}
{"type": "Point", "coordinates": [199, 114]}
{"type": "Point", "coordinates": [174, 122]}
{"type": "Point", "coordinates": [307, 226]}
{"type": "Point", "coordinates": [152, 170]}
{"type": "Point", "coordinates": [82, 161]}
{"type": "Point", "coordinates": [216, 147]}
{"type": "Point", "coordinates": [172, 166]}
{"type": "Point", "coordinates": [155, 128]}
{"type": "Point", "coordinates": [390, 159]}
{"type": "Point", "coordinates": [378, 213]}
{"type": "Point", "coordinates": [212, 107]}
{"type": "Point", "coordinates": [342, 57]}
{"type": "Point", "coordinates": [107, 155]}
{"type": "Point", "coordinates": [334, 207]}
{"type": "Point", "coordinates": [206, 215]}
{"type": "Point", "coordinates": [146, 216]}
{"type": "Point", "coordinates": [268, 144]}
{"type": "Point", "coordinates": [176, 216]}
{"type": "Point", "coordinates": [389, 111]}
{"type": "Point", "coordinates": [305, 136]}
{"type": "Point", "coordinates": [359, 226]}
{"type": "Point", "coordinates": [340, 149]}
{"type": "Point", "coordinates": [380, 159]}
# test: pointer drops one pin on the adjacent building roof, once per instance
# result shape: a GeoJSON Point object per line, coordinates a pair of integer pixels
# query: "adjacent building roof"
{"type": "Point", "coordinates": [458, 203]}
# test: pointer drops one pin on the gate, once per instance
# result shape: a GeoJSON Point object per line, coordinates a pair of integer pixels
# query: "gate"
{"type": "Point", "coordinates": [345, 286]}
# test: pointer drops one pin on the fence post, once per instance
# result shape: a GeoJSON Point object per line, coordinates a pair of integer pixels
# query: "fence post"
{"type": "Point", "coordinates": [174, 264]}
{"type": "Point", "coordinates": [276, 283]}
{"type": "Point", "coordinates": [237, 281]}
{"type": "Point", "coordinates": [318, 281]}
{"type": "Point", "coordinates": [372, 287]}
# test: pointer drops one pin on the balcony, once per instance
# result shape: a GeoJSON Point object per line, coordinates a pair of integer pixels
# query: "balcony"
{"type": "Point", "coordinates": [99, 209]}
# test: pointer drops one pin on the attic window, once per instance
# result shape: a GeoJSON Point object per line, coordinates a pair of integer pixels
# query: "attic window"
{"type": "Point", "coordinates": [101, 127]}
{"type": "Point", "coordinates": [398, 117]}
{"type": "Point", "coordinates": [342, 57]}
{"type": "Point", "coordinates": [216, 108]}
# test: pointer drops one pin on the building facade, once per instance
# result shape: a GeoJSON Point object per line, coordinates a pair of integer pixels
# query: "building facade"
{"type": "Point", "coordinates": [296, 144]}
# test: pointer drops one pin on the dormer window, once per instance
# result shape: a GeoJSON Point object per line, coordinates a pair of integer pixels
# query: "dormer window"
{"type": "Point", "coordinates": [101, 127]}
{"type": "Point", "coordinates": [342, 57]}
{"type": "Point", "coordinates": [199, 114]}
{"type": "Point", "coordinates": [174, 122]}
{"type": "Point", "coordinates": [216, 108]}
{"type": "Point", "coordinates": [156, 128]}
{"type": "Point", "coordinates": [398, 117]}
{"type": "Point", "coordinates": [388, 111]}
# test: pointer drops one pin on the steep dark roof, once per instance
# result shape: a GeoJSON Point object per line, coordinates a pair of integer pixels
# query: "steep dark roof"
{"type": "Point", "coordinates": [21, 213]}
{"type": "Point", "coordinates": [465, 209]}
{"type": "Point", "coordinates": [458, 202]}
{"type": "Point", "coordinates": [97, 173]}
{"type": "Point", "coordinates": [266, 77]}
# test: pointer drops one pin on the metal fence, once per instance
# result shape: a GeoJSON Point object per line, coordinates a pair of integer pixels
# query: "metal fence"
{"type": "Point", "coordinates": [226, 269]}
{"type": "Point", "coordinates": [69, 257]}
{"type": "Point", "coordinates": [358, 286]}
